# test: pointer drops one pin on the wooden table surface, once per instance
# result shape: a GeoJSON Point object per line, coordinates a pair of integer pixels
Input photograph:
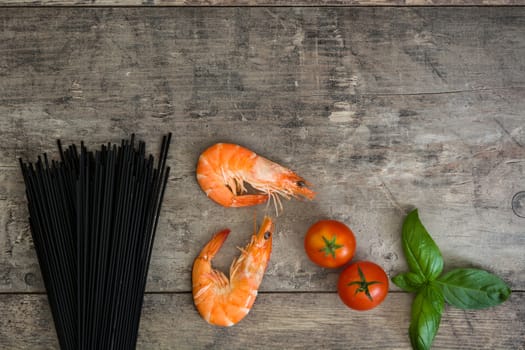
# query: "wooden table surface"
{"type": "Point", "coordinates": [383, 109]}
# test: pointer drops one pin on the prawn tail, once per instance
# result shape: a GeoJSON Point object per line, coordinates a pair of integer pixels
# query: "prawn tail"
{"type": "Point", "coordinates": [249, 199]}
{"type": "Point", "coordinates": [214, 245]}
{"type": "Point", "coordinates": [225, 197]}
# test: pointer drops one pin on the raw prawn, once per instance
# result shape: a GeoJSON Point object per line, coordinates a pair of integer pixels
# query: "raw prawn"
{"type": "Point", "coordinates": [222, 301]}
{"type": "Point", "coordinates": [223, 169]}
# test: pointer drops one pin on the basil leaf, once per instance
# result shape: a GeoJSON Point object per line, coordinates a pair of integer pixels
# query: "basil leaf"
{"type": "Point", "coordinates": [422, 253]}
{"type": "Point", "coordinates": [427, 308]}
{"type": "Point", "coordinates": [409, 281]}
{"type": "Point", "coordinates": [473, 288]}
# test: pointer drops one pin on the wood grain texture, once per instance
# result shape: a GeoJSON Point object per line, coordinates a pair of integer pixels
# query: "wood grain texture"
{"type": "Point", "coordinates": [263, 3]}
{"type": "Point", "coordinates": [383, 109]}
{"type": "Point", "coordinates": [294, 320]}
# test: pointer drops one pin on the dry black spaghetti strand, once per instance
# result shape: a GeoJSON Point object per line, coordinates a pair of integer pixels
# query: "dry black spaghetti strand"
{"type": "Point", "coordinates": [93, 218]}
{"type": "Point", "coordinates": [51, 231]}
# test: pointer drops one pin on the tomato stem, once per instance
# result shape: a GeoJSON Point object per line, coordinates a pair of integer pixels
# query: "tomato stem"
{"type": "Point", "coordinates": [363, 284]}
{"type": "Point", "coordinates": [330, 246]}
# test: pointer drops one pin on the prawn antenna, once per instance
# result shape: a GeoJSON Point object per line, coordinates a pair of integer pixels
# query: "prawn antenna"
{"type": "Point", "coordinates": [277, 204]}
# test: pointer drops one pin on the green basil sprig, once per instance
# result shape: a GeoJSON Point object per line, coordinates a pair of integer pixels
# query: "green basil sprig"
{"type": "Point", "coordinates": [465, 288]}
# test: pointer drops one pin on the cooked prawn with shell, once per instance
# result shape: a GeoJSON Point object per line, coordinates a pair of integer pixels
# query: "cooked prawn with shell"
{"type": "Point", "coordinates": [224, 168]}
{"type": "Point", "coordinates": [224, 301]}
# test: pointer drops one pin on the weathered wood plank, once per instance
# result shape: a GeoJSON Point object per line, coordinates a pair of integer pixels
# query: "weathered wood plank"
{"type": "Point", "coordinates": [383, 109]}
{"type": "Point", "coordinates": [294, 320]}
{"type": "Point", "coordinates": [266, 3]}
{"type": "Point", "coordinates": [466, 238]}
{"type": "Point", "coordinates": [145, 59]}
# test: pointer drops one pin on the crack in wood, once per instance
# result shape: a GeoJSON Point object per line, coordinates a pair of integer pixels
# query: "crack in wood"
{"type": "Point", "coordinates": [506, 132]}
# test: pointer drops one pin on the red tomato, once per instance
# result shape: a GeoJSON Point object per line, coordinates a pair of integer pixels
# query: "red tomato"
{"type": "Point", "coordinates": [363, 285]}
{"type": "Point", "coordinates": [329, 243]}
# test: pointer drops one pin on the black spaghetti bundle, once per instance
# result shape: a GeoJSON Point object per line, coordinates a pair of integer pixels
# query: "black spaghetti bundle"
{"type": "Point", "coordinates": [93, 217]}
